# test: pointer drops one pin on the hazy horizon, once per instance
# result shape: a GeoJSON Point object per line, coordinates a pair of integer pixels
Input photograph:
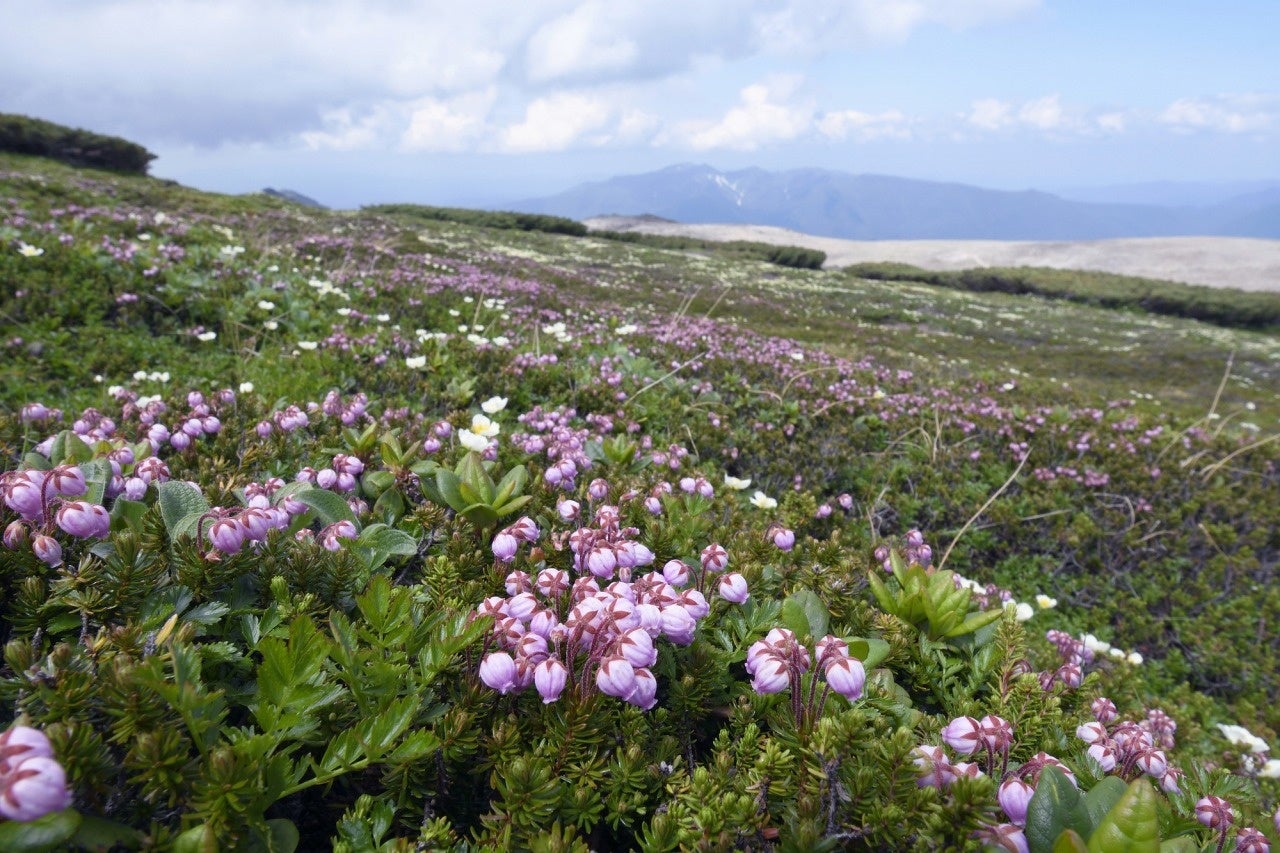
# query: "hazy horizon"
{"type": "Point", "coordinates": [356, 103]}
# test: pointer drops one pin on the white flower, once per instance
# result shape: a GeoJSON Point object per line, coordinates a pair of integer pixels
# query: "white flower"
{"type": "Point", "coordinates": [28, 251]}
{"type": "Point", "coordinates": [454, 312]}
{"type": "Point", "coordinates": [271, 325]}
{"type": "Point", "coordinates": [307, 345]}
{"type": "Point", "coordinates": [266, 305]}
{"type": "Point", "coordinates": [1270, 770]}
{"type": "Point", "coordinates": [473, 441]}
{"type": "Point", "coordinates": [1023, 611]}
{"type": "Point", "coordinates": [736, 483]}
{"type": "Point", "coordinates": [1044, 602]}
{"type": "Point", "coordinates": [246, 387]}
{"type": "Point", "coordinates": [480, 425]}
{"type": "Point", "coordinates": [383, 318]}
{"type": "Point", "coordinates": [1240, 736]}
{"type": "Point", "coordinates": [344, 312]}
{"type": "Point", "coordinates": [232, 251]}
{"type": "Point", "coordinates": [207, 336]}
{"type": "Point", "coordinates": [763, 501]}
{"type": "Point", "coordinates": [1116, 654]}
{"type": "Point", "coordinates": [1134, 658]}
{"type": "Point", "coordinates": [628, 329]}
{"type": "Point", "coordinates": [140, 375]}
{"type": "Point", "coordinates": [415, 362]}
{"type": "Point", "coordinates": [494, 405]}
{"type": "Point", "coordinates": [796, 355]}
{"type": "Point", "coordinates": [1095, 645]}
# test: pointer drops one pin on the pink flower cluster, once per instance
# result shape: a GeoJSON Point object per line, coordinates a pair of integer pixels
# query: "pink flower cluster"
{"type": "Point", "coordinates": [555, 632]}
{"type": "Point", "coordinates": [340, 476]}
{"type": "Point", "coordinates": [780, 661]}
{"type": "Point", "coordinates": [230, 531]}
{"type": "Point", "coordinates": [43, 502]}
{"type": "Point", "coordinates": [1130, 748]}
{"type": "Point", "coordinates": [32, 782]}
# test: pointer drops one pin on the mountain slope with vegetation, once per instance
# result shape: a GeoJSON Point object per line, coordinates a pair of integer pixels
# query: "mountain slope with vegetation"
{"type": "Point", "coordinates": [341, 529]}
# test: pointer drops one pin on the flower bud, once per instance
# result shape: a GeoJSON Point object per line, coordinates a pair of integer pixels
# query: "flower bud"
{"type": "Point", "coordinates": [227, 535]}
{"type": "Point", "coordinates": [498, 671]}
{"type": "Point", "coordinates": [16, 535]}
{"type": "Point", "coordinates": [733, 588]}
{"type": "Point", "coordinates": [676, 573]}
{"type": "Point", "coordinates": [83, 519]}
{"type": "Point", "coordinates": [784, 539]}
{"type": "Point", "coordinates": [771, 674]}
{"type": "Point", "coordinates": [846, 677]}
{"type": "Point", "coordinates": [504, 547]}
{"type": "Point", "coordinates": [1014, 796]}
{"type": "Point", "coordinates": [714, 558]}
{"type": "Point", "coordinates": [47, 550]}
{"type": "Point", "coordinates": [34, 788]}
{"type": "Point", "coordinates": [1214, 812]}
{"type": "Point", "coordinates": [20, 743]}
{"type": "Point", "coordinates": [644, 694]}
{"type": "Point", "coordinates": [962, 735]}
{"type": "Point", "coordinates": [549, 677]}
{"type": "Point", "coordinates": [616, 677]}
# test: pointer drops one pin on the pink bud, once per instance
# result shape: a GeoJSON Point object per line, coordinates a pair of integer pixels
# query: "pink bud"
{"type": "Point", "coordinates": [1214, 812]}
{"type": "Point", "coordinates": [784, 539]}
{"type": "Point", "coordinates": [846, 677]}
{"type": "Point", "coordinates": [227, 535]}
{"type": "Point", "coordinates": [20, 743]}
{"type": "Point", "coordinates": [601, 561]}
{"type": "Point", "coordinates": [733, 588]}
{"type": "Point", "coordinates": [1014, 796]}
{"type": "Point", "coordinates": [996, 733]}
{"type": "Point", "coordinates": [47, 550]}
{"type": "Point", "coordinates": [504, 547]}
{"type": "Point", "coordinates": [678, 625]}
{"type": "Point", "coordinates": [1104, 753]}
{"type": "Point", "coordinates": [714, 558]}
{"type": "Point", "coordinates": [1091, 732]}
{"type": "Point", "coordinates": [771, 674]}
{"type": "Point", "coordinates": [637, 647]}
{"type": "Point", "coordinates": [498, 670]}
{"type": "Point", "coordinates": [962, 734]}
{"type": "Point", "coordinates": [1104, 710]}
{"type": "Point", "coordinates": [1250, 840]}
{"type": "Point", "coordinates": [16, 535]}
{"type": "Point", "coordinates": [569, 510]}
{"type": "Point", "coordinates": [616, 677]}
{"type": "Point", "coordinates": [644, 695]}
{"type": "Point", "coordinates": [68, 481]}
{"type": "Point", "coordinates": [34, 788]}
{"type": "Point", "coordinates": [549, 677]}
{"type": "Point", "coordinates": [676, 573]}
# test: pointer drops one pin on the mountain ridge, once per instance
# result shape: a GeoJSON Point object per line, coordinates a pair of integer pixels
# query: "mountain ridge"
{"type": "Point", "coordinates": [831, 203]}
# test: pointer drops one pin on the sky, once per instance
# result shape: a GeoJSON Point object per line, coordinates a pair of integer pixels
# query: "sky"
{"type": "Point", "coordinates": [477, 102]}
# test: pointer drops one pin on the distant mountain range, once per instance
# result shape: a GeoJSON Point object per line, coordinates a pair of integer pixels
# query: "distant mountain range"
{"type": "Point", "coordinates": [879, 207]}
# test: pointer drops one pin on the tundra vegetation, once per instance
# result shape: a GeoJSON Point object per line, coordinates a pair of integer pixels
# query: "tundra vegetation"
{"type": "Point", "coordinates": [370, 531]}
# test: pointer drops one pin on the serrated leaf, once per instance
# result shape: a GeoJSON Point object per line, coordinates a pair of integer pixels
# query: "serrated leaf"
{"type": "Point", "coordinates": [178, 500]}
{"type": "Point", "coordinates": [328, 506]}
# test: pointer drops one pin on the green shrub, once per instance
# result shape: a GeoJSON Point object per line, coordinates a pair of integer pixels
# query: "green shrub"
{"type": "Point", "coordinates": [73, 146]}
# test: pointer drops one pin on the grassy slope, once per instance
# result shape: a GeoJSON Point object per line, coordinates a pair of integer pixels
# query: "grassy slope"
{"type": "Point", "coordinates": [1183, 580]}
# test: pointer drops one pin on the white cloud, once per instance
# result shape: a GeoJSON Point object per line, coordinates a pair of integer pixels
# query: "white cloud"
{"type": "Point", "coordinates": [813, 26]}
{"type": "Point", "coordinates": [1223, 114]}
{"type": "Point", "coordinates": [864, 127]}
{"type": "Point", "coordinates": [447, 125]}
{"type": "Point", "coordinates": [761, 117]}
{"type": "Point", "coordinates": [556, 122]}
{"type": "Point", "coordinates": [990, 114]}
{"type": "Point", "coordinates": [1043, 113]}
{"type": "Point", "coordinates": [579, 42]}
{"type": "Point", "coordinates": [1111, 122]}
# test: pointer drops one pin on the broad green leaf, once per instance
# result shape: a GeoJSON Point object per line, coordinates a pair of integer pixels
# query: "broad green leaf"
{"type": "Point", "coordinates": [1070, 842]}
{"type": "Point", "coordinates": [1102, 798]}
{"type": "Point", "coordinates": [870, 650]}
{"type": "Point", "coordinates": [1055, 807]}
{"type": "Point", "coordinates": [447, 484]}
{"type": "Point", "coordinates": [511, 484]}
{"type": "Point", "coordinates": [471, 494]}
{"type": "Point", "coordinates": [471, 471]}
{"type": "Point", "coordinates": [282, 836]}
{"type": "Point", "coordinates": [514, 505]}
{"type": "Point", "coordinates": [974, 622]}
{"type": "Point", "coordinates": [481, 516]}
{"type": "Point", "coordinates": [1131, 826]}
{"type": "Point", "coordinates": [127, 513]}
{"type": "Point", "coordinates": [804, 613]}
{"type": "Point", "coordinates": [96, 833]}
{"type": "Point", "coordinates": [374, 483]}
{"type": "Point", "coordinates": [43, 833]}
{"type": "Point", "coordinates": [97, 472]}
{"type": "Point", "coordinates": [178, 500]}
{"type": "Point", "coordinates": [883, 596]}
{"type": "Point", "coordinates": [328, 506]}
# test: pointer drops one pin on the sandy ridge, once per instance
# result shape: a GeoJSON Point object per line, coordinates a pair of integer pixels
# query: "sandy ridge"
{"type": "Point", "coordinates": [1245, 263]}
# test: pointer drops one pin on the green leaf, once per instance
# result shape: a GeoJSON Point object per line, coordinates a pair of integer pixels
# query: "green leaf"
{"type": "Point", "coordinates": [974, 622]}
{"type": "Point", "coordinates": [1070, 842]}
{"type": "Point", "coordinates": [97, 472]}
{"type": "Point", "coordinates": [447, 484]}
{"type": "Point", "coordinates": [1131, 826]}
{"type": "Point", "coordinates": [378, 543]}
{"type": "Point", "coordinates": [888, 603]}
{"type": "Point", "coordinates": [127, 513]}
{"type": "Point", "coordinates": [178, 500]}
{"type": "Point", "coordinates": [870, 650]}
{"type": "Point", "coordinates": [197, 839]}
{"type": "Point", "coordinates": [43, 833]}
{"type": "Point", "coordinates": [282, 836]}
{"type": "Point", "coordinates": [514, 505]}
{"type": "Point", "coordinates": [804, 613]}
{"type": "Point", "coordinates": [328, 506]}
{"type": "Point", "coordinates": [1055, 807]}
{"type": "Point", "coordinates": [96, 833]}
{"type": "Point", "coordinates": [511, 484]}
{"type": "Point", "coordinates": [374, 483]}
{"type": "Point", "coordinates": [1101, 799]}
{"type": "Point", "coordinates": [481, 516]}
{"type": "Point", "coordinates": [471, 471]}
